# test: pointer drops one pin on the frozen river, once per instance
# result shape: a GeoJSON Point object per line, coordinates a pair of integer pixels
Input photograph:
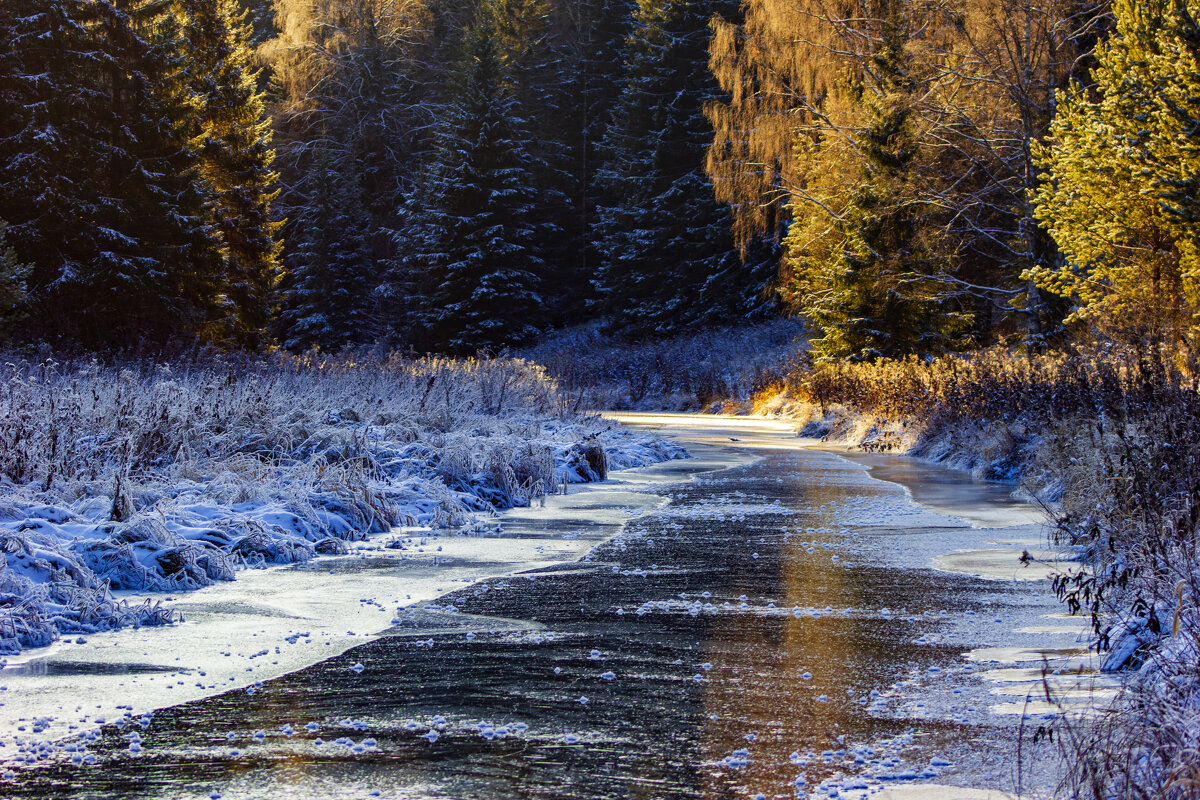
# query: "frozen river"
{"type": "Point", "coordinates": [768, 618]}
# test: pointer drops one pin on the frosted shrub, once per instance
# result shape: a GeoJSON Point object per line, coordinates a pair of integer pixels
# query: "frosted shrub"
{"type": "Point", "coordinates": [165, 478]}
{"type": "Point", "coordinates": [689, 371]}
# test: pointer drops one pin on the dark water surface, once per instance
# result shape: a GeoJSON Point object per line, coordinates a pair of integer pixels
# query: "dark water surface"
{"type": "Point", "coordinates": [768, 643]}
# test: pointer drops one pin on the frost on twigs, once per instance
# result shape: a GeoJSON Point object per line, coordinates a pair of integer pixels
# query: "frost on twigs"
{"type": "Point", "coordinates": [153, 478]}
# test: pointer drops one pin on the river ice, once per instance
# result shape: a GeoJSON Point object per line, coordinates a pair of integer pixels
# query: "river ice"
{"type": "Point", "coordinates": [805, 554]}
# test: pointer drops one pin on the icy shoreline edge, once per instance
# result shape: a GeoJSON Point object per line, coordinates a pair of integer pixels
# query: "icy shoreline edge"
{"type": "Point", "coordinates": [157, 481]}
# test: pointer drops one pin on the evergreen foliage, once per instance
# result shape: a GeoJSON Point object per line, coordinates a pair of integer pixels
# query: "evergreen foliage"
{"type": "Point", "coordinates": [329, 301]}
{"type": "Point", "coordinates": [235, 160]}
{"type": "Point", "coordinates": [477, 230]}
{"type": "Point", "coordinates": [138, 172]}
{"type": "Point", "coordinates": [49, 147]}
{"type": "Point", "coordinates": [99, 174]}
{"type": "Point", "coordinates": [590, 85]}
{"type": "Point", "coordinates": [869, 275]}
{"type": "Point", "coordinates": [360, 88]}
{"type": "Point", "coordinates": [13, 275]}
{"type": "Point", "coordinates": [157, 269]}
{"type": "Point", "coordinates": [667, 253]}
{"type": "Point", "coordinates": [539, 67]}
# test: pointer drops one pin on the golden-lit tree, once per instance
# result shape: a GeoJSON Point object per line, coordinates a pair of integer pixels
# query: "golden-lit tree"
{"type": "Point", "coordinates": [1123, 170]}
{"type": "Point", "coordinates": [988, 70]}
{"type": "Point", "coordinates": [867, 260]}
{"type": "Point", "coordinates": [236, 157]}
{"type": "Point", "coordinates": [777, 67]}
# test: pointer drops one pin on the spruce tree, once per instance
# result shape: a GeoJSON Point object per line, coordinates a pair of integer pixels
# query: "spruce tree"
{"type": "Point", "coordinates": [235, 160]}
{"type": "Point", "coordinates": [594, 82]}
{"type": "Point", "coordinates": [328, 301]}
{"type": "Point", "coordinates": [667, 255]}
{"type": "Point", "coordinates": [536, 63]}
{"type": "Point", "coordinates": [870, 282]}
{"type": "Point", "coordinates": [477, 230]}
{"type": "Point", "coordinates": [155, 274]}
{"type": "Point", "coordinates": [362, 83]}
{"type": "Point", "coordinates": [52, 122]}
{"type": "Point", "coordinates": [98, 174]}
{"type": "Point", "coordinates": [13, 275]}
{"type": "Point", "coordinates": [135, 169]}
{"type": "Point", "coordinates": [11, 69]}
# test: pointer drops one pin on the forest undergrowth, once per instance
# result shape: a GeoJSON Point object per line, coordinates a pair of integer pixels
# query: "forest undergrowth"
{"type": "Point", "coordinates": [1108, 438]}
{"type": "Point", "coordinates": [152, 477]}
{"type": "Point", "coordinates": [715, 370]}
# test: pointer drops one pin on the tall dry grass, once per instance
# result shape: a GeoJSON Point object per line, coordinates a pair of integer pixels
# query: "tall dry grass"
{"type": "Point", "coordinates": [165, 477]}
{"type": "Point", "coordinates": [77, 422]}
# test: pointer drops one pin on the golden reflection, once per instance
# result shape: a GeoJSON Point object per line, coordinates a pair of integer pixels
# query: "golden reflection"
{"type": "Point", "coordinates": [757, 686]}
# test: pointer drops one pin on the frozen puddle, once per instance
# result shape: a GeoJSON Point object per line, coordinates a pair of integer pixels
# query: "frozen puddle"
{"type": "Point", "coordinates": [764, 619]}
{"type": "Point", "coordinates": [932, 791]}
{"type": "Point", "coordinates": [1005, 564]}
{"type": "Point", "coordinates": [1045, 682]}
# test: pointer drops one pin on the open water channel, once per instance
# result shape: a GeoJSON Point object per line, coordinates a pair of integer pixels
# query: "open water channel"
{"type": "Point", "coordinates": [764, 619]}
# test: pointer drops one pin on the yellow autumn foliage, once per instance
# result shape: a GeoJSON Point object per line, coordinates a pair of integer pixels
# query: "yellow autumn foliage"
{"type": "Point", "coordinates": [1119, 191]}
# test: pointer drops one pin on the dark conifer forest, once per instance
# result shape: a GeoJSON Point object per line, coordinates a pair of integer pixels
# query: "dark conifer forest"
{"type": "Point", "coordinates": [445, 176]}
{"type": "Point", "coordinates": [457, 176]}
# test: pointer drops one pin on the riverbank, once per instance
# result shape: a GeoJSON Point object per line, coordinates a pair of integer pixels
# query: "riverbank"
{"type": "Point", "coordinates": [120, 484]}
{"type": "Point", "coordinates": [735, 581]}
{"type": "Point", "coordinates": [1109, 439]}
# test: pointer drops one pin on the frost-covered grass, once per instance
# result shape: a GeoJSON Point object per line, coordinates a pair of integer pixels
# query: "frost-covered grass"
{"type": "Point", "coordinates": [1147, 743]}
{"type": "Point", "coordinates": [168, 477]}
{"type": "Point", "coordinates": [995, 412]}
{"type": "Point", "coordinates": [1113, 436]}
{"type": "Point", "coordinates": [718, 369]}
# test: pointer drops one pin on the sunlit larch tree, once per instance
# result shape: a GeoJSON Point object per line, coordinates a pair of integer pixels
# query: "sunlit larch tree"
{"type": "Point", "coordinates": [987, 95]}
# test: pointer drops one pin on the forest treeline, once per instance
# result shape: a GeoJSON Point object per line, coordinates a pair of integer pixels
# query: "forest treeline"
{"type": "Point", "coordinates": [911, 176]}
{"type": "Point", "coordinates": [445, 175]}
{"type": "Point", "coordinates": [952, 174]}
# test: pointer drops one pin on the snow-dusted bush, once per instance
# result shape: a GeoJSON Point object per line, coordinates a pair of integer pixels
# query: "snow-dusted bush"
{"type": "Point", "coordinates": [986, 411]}
{"type": "Point", "coordinates": [1146, 744]}
{"type": "Point", "coordinates": [157, 477]}
{"type": "Point", "coordinates": [687, 372]}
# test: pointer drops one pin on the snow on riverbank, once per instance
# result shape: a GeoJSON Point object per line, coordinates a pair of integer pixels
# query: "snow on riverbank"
{"type": "Point", "coordinates": [153, 480]}
{"type": "Point", "coordinates": [276, 620]}
{"type": "Point", "coordinates": [280, 619]}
